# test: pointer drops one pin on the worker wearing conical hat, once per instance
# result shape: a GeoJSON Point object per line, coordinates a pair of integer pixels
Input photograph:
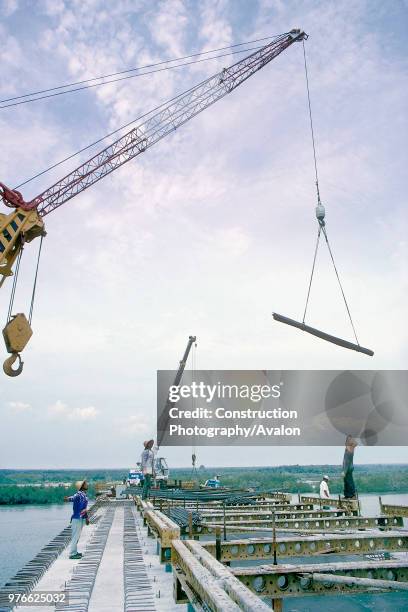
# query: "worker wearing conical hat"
{"type": "Point", "coordinates": [79, 516]}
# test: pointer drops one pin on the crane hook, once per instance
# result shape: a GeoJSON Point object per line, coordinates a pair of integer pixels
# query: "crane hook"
{"type": "Point", "coordinates": [7, 365]}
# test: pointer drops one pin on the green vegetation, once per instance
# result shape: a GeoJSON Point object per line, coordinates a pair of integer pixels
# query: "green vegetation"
{"type": "Point", "coordinates": [306, 479]}
{"type": "Point", "coordinates": [12, 494]}
{"type": "Point", "coordinates": [18, 486]}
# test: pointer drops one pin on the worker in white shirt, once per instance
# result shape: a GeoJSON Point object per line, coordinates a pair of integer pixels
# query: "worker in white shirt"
{"type": "Point", "coordinates": [324, 487]}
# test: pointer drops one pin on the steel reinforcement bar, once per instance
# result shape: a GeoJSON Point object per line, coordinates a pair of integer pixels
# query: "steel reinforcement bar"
{"type": "Point", "coordinates": [79, 588]}
{"type": "Point", "coordinates": [138, 591]}
{"type": "Point", "coordinates": [216, 495]}
{"type": "Point", "coordinates": [208, 516]}
{"type": "Point", "coordinates": [163, 505]}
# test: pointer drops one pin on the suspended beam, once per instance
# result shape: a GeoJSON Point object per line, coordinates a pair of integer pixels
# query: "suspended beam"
{"type": "Point", "coordinates": [328, 337]}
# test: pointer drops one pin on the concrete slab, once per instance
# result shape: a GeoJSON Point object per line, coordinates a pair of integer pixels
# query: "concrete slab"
{"type": "Point", "coordinates": [107, 594]}
{"type": "Point", "coordinates": [60, 571]}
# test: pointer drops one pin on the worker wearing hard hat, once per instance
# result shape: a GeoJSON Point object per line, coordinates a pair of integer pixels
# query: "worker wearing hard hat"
{"type": "Point", "coordinates": [147, 464]}
{"type": "Point", "coordinates": [79, 516]}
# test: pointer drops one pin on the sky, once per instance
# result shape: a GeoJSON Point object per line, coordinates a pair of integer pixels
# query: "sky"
{"type": "Point", "coordinates": [213, 228]}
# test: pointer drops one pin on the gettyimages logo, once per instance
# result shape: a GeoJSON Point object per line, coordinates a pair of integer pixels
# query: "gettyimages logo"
{"type": "Point", "coordinates": [282, 407]}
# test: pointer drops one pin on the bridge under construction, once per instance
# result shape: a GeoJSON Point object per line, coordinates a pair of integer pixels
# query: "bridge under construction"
{"type": "Point", "coordinates": [218, 551]}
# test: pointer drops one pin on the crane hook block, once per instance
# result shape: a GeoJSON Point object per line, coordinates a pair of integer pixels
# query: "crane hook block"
{"type": "Point", "coordinates": [16, 334]}
{"type": "Point", "coordinates": [8, 365]}
{"type": "Point", "coordinates": [320, 213]}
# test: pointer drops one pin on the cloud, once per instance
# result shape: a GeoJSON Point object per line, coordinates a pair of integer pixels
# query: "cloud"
{"type": "Point", "coordinates": [8, 7]}
{"type": "Point", "coordinates": [84, 414]}
{"type": "Point", "coordinates": [58, 409]}
{"type": "Point", "coordinates": [135, 425]}
{"type": "Point", "coordinates": [61, 410]}
{"type": "Point", "coordinates": [19, 406]}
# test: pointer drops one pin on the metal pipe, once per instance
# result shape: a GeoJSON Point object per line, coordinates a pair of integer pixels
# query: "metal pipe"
{"type": "Point", "coordinates": [363, 582]}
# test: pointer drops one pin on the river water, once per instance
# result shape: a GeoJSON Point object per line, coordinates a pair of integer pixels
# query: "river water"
{"type": "Point", "coordinates": [24, 530]}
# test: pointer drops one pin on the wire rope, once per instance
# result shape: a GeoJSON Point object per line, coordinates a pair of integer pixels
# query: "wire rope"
{"type": "Point", "coordinates": [322, 227]}
{"type": "Point", "coordinates": [13, 289]}
{"type": "Point", "coordinates": [19, 100]}
{"type": "Point", "coordinates": [312, 273]}
{"type": "Point", "coordinates": [30, 316]}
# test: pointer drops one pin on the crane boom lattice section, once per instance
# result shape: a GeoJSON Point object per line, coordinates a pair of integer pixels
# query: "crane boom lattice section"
{"type": "Point", "coordinates": [180, 110]}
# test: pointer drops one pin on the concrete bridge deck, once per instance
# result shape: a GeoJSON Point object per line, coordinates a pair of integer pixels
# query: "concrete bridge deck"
{"type": "Point", "coordinates": [119, 571]}
{"type": "Point", "coordinates": [138, 558]}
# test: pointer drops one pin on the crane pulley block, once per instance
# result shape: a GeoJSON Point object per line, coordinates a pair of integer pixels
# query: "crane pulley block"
{"type": "Point", "coordinates": [16, 334]}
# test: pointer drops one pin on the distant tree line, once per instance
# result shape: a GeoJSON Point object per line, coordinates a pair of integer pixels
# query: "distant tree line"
{"type": "Point", "coordinates": [14, 495]}
{"type": "Point", "coordinates": [293, 479]}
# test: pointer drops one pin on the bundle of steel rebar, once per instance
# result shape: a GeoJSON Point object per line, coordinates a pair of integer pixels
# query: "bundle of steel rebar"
{"type": "Point", "coordinates": [200, 496]}
{"type": "Point", "coordinates": [79, 588]}
{"type": "Point", "coordinates": [181, 516]}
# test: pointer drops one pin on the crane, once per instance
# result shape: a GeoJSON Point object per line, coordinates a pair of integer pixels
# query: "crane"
{"type": "Point", "coordinates": [164, 417]}
{"type": "Point", "coordinates": [25, 222]}
{"type": "Point", "coordinates": [162, 422]}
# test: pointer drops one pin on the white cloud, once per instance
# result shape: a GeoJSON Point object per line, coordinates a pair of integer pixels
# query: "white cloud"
{"type": "Point", "coordinates": [19, 406]}
{"type": "Point", "coordinates": [135, 425]}
{"type": "Point", "coordinates": [58, 409]}
{"type": "Point", "coordinates": [62, 410]}
{"type": "Point", "coordinates": [84, 414]}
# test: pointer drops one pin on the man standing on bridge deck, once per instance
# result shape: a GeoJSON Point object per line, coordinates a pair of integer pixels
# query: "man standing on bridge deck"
{"type": "Point", "coordinates": [348, 467]}
{"type": "Point", "coordinates": [147, 462]}
{"type": "Point", "coordinates": [79, 516]}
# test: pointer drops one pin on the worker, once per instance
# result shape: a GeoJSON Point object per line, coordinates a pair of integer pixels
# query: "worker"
{"type": "Point", "coordinates": [324, 487]}
{"type": "Point", "coordinates": [147, 464]}
{"type": "Point", "coordinates": [348, 467]}
{"type": "Point", "coordinates": [79, 516]}
{"type": "Point", "coordinates": [324, 490]}
{"type": "Point", "coordinates": [213, 482]}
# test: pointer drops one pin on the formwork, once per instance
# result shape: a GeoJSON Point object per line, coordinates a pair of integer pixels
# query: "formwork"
{"type": "Point", "coordinates": [259, 552]}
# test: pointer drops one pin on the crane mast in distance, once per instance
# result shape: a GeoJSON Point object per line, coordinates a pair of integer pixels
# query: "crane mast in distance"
{"type": "Point", "coordinates": [26, 221]}
{"type": "Point", "coordinates": [163, 420]}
